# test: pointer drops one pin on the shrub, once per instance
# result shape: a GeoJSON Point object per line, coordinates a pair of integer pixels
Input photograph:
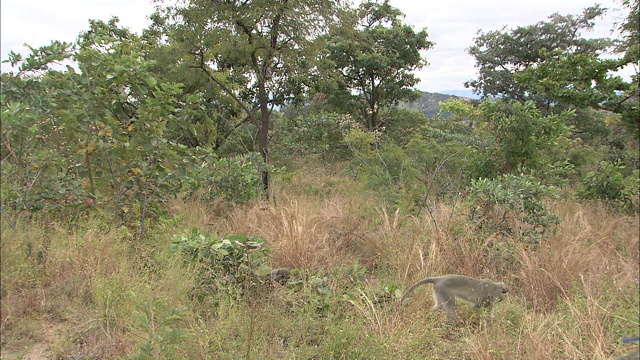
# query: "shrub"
{"type": "Point", "coordinates": [221, 262]}
{"type": "Point", "coordinates": [609, 184]}
{"type": "Point", "coordinates": [403, 124]}
{"type": "Point", "coordinates": [519, 197]}
{"type": "Point", "coordinates": [522, 136]}
{"type": "Point", "coordinates": [236, 178]}
{"type": "Point", "coordinates": [312, 134]}
{"type": "Point", "coordinates": [512, 135]}
{"type": "Point", "coordinates": [158, 329]}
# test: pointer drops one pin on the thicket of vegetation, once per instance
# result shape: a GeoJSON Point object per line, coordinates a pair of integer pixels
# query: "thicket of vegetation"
{"type": "Point", "coordinates": [152, 182]}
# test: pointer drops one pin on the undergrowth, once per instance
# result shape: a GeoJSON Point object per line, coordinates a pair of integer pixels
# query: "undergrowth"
{"type": "Point", "coordinates": [93, 290]}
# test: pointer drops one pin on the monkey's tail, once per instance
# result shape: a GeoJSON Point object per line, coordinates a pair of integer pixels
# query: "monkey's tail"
{"type": "Point", "coordinates": [406, 293]}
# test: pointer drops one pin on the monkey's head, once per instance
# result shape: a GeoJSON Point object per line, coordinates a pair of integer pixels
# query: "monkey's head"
{"type": "Point", "coordinates": [504, 290]}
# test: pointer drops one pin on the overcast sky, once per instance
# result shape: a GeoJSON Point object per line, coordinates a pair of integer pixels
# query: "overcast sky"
{"type": "Point", "coordinates": [451, 24]}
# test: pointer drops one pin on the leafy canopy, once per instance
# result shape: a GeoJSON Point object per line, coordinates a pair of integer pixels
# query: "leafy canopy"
{"type": "Point", "coordinates": [501, 55]}
{"type": "Point", "coordinates": [258, 52]}
{"type": "Point", "coordinates": [373, 56]}
{"type": "Point", "coordinates": [99, 128]}
{"type": "Point", "coordinates": [554, 65]}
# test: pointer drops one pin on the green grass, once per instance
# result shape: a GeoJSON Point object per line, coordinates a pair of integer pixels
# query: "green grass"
{"type": "Point", "coordinates": [91, 290]}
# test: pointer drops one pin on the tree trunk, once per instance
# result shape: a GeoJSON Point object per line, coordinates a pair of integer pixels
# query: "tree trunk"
{"type": "Point", "coordinates": [263, 145]}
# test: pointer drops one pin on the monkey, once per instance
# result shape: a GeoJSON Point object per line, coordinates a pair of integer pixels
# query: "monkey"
{"type": "Point", "coordinates": [479, 293]}
{"type": "Point", "coordinates": [280, 275]}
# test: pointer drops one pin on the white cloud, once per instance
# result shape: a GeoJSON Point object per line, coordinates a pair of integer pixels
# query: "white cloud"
{"type": "Point", "coordinates": [452, 24]}
{"type": "Point", "coordinates": [38, 22]}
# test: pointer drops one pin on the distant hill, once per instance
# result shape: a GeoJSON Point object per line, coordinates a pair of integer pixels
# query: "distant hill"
{"type": "Point", "coordinates": [429, 103]}
{"type": "Point", "coordinates": [466, 93]}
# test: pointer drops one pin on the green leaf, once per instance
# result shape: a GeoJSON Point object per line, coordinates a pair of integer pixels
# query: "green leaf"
{"type": "Point", "coordinates": [262, 270]}
{"type": "Point", "coordinates": [128, 184]}
{"type": "Point", "coordinates": [151, 81]}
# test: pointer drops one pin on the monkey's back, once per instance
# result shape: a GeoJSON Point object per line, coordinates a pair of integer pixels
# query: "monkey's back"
{"type": "Point", "coordinates": [467, 289]}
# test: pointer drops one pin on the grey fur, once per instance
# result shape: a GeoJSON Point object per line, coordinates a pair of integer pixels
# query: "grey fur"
{"type": "Point", "coordinates": [478, 292]}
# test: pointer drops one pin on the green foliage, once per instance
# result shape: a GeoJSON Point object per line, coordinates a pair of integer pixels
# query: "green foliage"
{"type": "Point", "coordinates": [513, 203]}
{"type": "Point", "coordinates": [383, 166]}
{"type": "Point", "coordinates": [512, 135]}
{"type": "Point", "coordinates": [99, 130]}
{"type": "Point", "coordinates": [356, 273]}
{"type": "Point", "coordinates": [41, 58]}
{"type": "Point", "coordinates": [208, 115]}
{"type": "Point", "coordinates": [630, 29]}
{"type": "Point", "coordinates": [313, 134]}
{"type": "Point", "coordinates": [373, 56]}
{"type": "Point", "coordinates": [318, 294]}
{"type": "Point", "coordinates": [402, 124]}
{"type": "Point", "coordinates": [35, 175]}
{"type": "Point", "coordinates": [441, 166]}
{"type": "Point", "coordinates": [132, 123]}
{"type": "Point", "coordinates": [425, 160]}
{"type": "Point", "coordinates": [158, 330]}
{"type": "Point", "coordinates": [222, 262]}
{"type": "Point", "coordinates": [236, 179]}
{"type": "Point", "coordinates": [592, 126]}
{"type": "Point", "coordinates": [259, 53]}
{"type": "Point", "coordinates": [586, 79]}
{"type": "Point", "coordinates": [559, 174]}
{"type": "Point", "coordinates": [360, 141]}
{"type": "Point", "coordinates": [522, 137]}
{"type": "Point", "coordinates": [554, 65]}
{"type": "Point", "coordinates": [609, 183]}
{"type": "Point", "coordinates": [502, 54]}
{"type": "Point", "coordinates": [583, 80]}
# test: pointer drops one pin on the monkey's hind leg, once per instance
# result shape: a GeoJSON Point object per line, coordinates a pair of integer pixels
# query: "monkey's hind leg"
{"type": "Point", "coordinates": [446, 301]}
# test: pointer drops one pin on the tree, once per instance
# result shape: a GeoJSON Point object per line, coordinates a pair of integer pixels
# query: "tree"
{"type": "Point", "coordinates": [587, 80]}
{"type": "Point", "coordinates": [502, 55]}
{"type": "Point", "coordinates": [630, 46]}
{"type": "Point", "coordinates": [630, 30]}
{"type": "Point", "coordinates": [217, 118]}
{"type": "Point", "coordinates": [75, 138]}
{"type": "Point", "coordinates": [374, 54]}
{"type": "Point", "coordinates": [258, 52]}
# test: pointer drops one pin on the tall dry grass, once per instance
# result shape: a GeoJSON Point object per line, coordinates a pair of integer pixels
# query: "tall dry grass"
{"type": "Point", "coordinates": [67, 288]}
{"type": "Point", "coordinates": [575, 291]}
{"type": "Point", "coordinates": [80, 297]}
{"type": "Point", "coordinates": [573, 296]}
{"type": "Point", "coordinates": [590, 244]}
{"type": "Point", "coordinates": [566, 292]}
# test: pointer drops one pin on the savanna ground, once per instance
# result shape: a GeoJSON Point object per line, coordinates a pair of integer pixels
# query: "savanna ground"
{"type": "Point", "coordinates": [89, 290]}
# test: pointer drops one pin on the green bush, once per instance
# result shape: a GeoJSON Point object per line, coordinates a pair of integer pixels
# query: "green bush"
{"type": "Point", "coordinates": [158, 329]}
{"type": "Point", "coordinates": [222, 262]}
{"type": "Point", "coordinates": [402, 124]}
{"type": "Point", "coordinates": [313, 134]}
{"type": "Point", "coordinates": [520, 197]}
{"type": "Point", "coordinates": [522, 135]}
{"type": "Point", "coordinates": [237, 179]}
{"type": "Point", "coordinates": [609, 184]}
{"type": "Point", "coordinates": [511, 135]}
{"type": "Point", "coordinates": [107, 152]}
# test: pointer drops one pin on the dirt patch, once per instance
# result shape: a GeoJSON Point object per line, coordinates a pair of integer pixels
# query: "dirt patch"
{"type": "Point", "coordinates": [39, 350]}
